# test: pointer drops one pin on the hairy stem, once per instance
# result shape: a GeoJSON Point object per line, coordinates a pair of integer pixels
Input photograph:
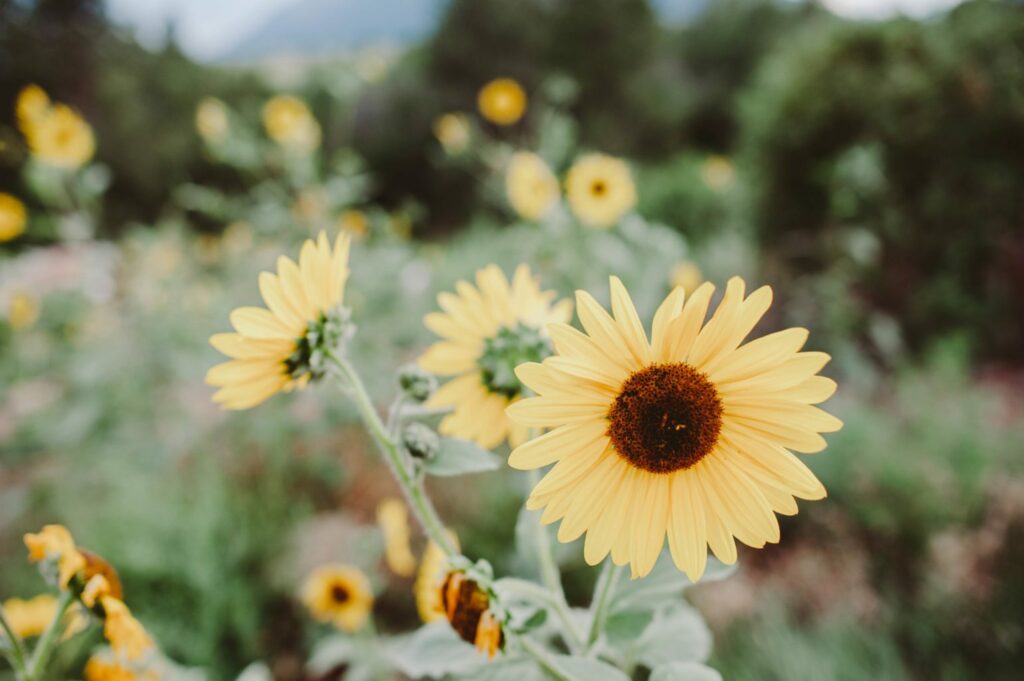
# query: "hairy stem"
{"type": "Point", "coordinates": [603, 591]}
{"type": "Point", "coordinates": [543, 658]}
{"type": "Point", "coordinates": [47, 642]}
{"type": "Point", "coordinates": [17, 653]}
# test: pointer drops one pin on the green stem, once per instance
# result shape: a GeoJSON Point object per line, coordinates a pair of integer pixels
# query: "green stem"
{"type": "Point", "coordinates": [542, 596]}
{"type": "Point", "coordinates": [543, 658]}
{"type": "Point", "coordinates": [44, 648]}
{"type": "Point", "coordinates": [17, 651]}
{"type": "Point", "coordinates": [421, 506]}
{"type": "Point", "coordinates": [603, 591]}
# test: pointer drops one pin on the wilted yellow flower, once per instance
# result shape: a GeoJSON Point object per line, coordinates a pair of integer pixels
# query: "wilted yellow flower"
{"type": "Point", "coordinates": [290, 123]}
{"type": "Point", "coordinates": [531, 186]}
{"type": "Point", "coordinates": [687, 276]}
{"type": "Point", "coordinates": [453, 132]}
{"type": "Point", "coordinates": [270, 351]}
{"type": "Point", "coordinates": [487, 330]}
{"type": "Point", "coordinates": [29, 618]}
{"type": "Point", "coordinates": [393, 519]}
{"type": "Point", "coordinates": [61, 138]}
{"type": "Point", "coordinates": [433, 569]}
{"type": "Point", "coordinates": [32, 103]}
{"type": "Point", "coordinates": [126, 635]}
{"type": "Point", "coordinates": [22, 310]}
{"type": "Point", "coordinates": [355, 223]}
{"type": "Point", "coordinates": [12, 217]}
{"type": "Point", "coordinates": [100, 668]}
{"type": "Point", "coordinates": [340, 595]}
{"type": "Point", "coordinates": [600, 190]}
{"type": "Point", "coordinates": [686, 436]}
{"type": "Point", "coordinates": [212, 119]}
{"type": "Point", "coordinates": [55, 543]}
{"type": "Point", "coordinates": [502, 101]}
{"type": "Point", "coordinates": [717, 172]}
{"type": "Point", "coordinates": [466, 606]}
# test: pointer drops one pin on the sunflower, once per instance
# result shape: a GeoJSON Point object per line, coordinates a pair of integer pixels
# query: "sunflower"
{"type": "Point", "coordinates": [487, 330]}
{"type": "Point", "coordinates": [687, 435]}
{"type": "Point", "coordinates": [339, 595]}
{"type": "Point", "coordinates": [12, 217]}
{"type": "Point", "coordinates": [54, 544]}
{"type": "Point", "coordinates": [531, 187]}
{"type": "Point", "coordinates": [433, 569]}
{"type": "Point", "coordinates": [502, 101]}
{"type": "Point", "coordinates": [60, 137]}
{"type": "Point", "coordinates": [276, 349]}
{"type": "Point", "coordinates": [394, 525]}
{"type": "Point", "coordinates": [467, 608]}
{"type": "Point", "coordinates": [453, 132]}
{"type": "Point", "coordinates": [289, 122]}
{"type": "Point", "coordinates": [600, 190]}
{"type": "Point", "coordinates": [212, 119]}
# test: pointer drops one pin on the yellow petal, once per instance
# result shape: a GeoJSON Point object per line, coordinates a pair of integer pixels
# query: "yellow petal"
{"type": "Point", "coordinates": [559, 443]}
{"type": "Point", "coordinates": [545, 412]}
{"type": "Point", "coordinates": [630, 327]}
{"type": "Point", "coordinates": [671, 308]}
{"type": "Point", "coordinates": [256, 322]}
{"type": "Point", "coordinates": [687, 536]}
{"type": "Point", "coordinates": [682, 331]}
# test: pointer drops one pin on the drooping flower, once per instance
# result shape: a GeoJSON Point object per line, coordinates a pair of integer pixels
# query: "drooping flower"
{"type": "Point", "coordinates": [453, 131]}
{"type": "Point", "coordinates": [126, 635]}
{"type": "Point", "coordinates": [600, 190]}
{"type": "Point", "coordinates": [393, 519]}
{"type": "Point", "coordinates": [531, 187]}
{"type": "Point", "coordinates": [685, 436]}
{"type": "Point", "coordinates": [502, 101]}
{"type": "Point", "coordinates": [12, 217]}
{"type": "Point", "coordinates": [433, 569]}
{"type": "Point", "coordinates": [289, 122]}
{"type": "Point", "coordinates": [277, 349]}
{"type": "Point", "coordinates": [212, 119]}
{"type": "Point", "coordinates": [60, 137]}
{"type": "Point", "coordinates": [339, 595]}
{"type": "Point", "coordinates": [487, 330]}
{"type": "Point", "coordinates": [55, 545]}
{"type": "Point", "coordinates": [467, 608]}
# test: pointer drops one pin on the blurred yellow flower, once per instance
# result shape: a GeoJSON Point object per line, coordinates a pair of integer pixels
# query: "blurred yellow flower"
{"type": "Point", "coordinates": [99, 668]}
{"type": "Point", "coordinates": [502, 101]}
{"type": "Point", "coordinates": [684, 437]}
{"type": "Point", "coordinates": [717, 172]}
{"type": "Point", "coordinates": [60, 137]}
{"type": "Point", "coordinates": [393, 519]}
{"type": "Point", "coordinates": [55, 543]}
{"type": "Point", "coordinates": [22, 310]}
{"type": "Point", "coordinates": [290, 123]}
{"type": "Point", "coordinates": [13, 217]}
{"type": "Point", "coordinates": [32, 104]}
{"type": "Point", "coordinates": [486, 331]}
{"type": "Point", "coordinates": [453, 132]}
{"type": "Point", "coordinates": [339, 595]}
{"type": "Point", "coordinates": [212, 119]}
{"type": "Point", "coordinates": [686, 275]}
{"type": "Point", "coordinates": [433, 569]}
{"type": "Point", "coordinates": [29, 618]}
{"type": "Point", "coordinates": [270, 351]}
{"type": "Point", "coordinates": [355, 223]}
{"type": "Point", "coordinates": [531, 186]}
{"type": "Point", "coordinates": [600, 190]}
{"type": "Point", "coordinates": [126, 635]}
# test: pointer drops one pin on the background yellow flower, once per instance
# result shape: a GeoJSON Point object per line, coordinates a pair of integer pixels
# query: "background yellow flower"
{"type": "Point", "coordinates": [600, 190]}
{"type": "Point", "coordinates": [339, 595]}
{"type": "Point", "coordinates": [29, 618]}
{"type": "Point", "coordinates": [393, 518]}
{"type": "Point", "coordinates": [531, 187]}
{"type": "Point", "coordinates": [289, 122]}
{"type": "Point", "coordinates": [61, 138]}
{"type": "Point", "coordinates": [502, 101]}
{"type": "Point", "coordinates": [212, 119]}
{"type": "Point", "coordinates": [453, 132]}
{"type": "Point", "coordinates": [13, 217]}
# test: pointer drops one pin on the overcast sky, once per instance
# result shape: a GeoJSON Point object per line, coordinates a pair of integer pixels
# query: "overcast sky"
{"type": "Point", "coordinates": [208, 28]}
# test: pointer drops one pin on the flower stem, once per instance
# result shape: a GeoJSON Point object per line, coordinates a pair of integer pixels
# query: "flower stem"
{"type": "Point", "coordinates": [543, 658]}
{"type": "Point", "coordinates": [538, 594]}
{"type": "Point", "coordinates": [44, 648]}
{"type": "Point", "coordinates": [603, 591]}
{"type": "Point", "coordinates": [17, 647]}
{"type": "Point", "coordinates": [421, 505]}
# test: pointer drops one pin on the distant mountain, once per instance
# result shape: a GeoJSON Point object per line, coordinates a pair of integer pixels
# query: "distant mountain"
{"type": "Point", "coordinates": [327, 27]}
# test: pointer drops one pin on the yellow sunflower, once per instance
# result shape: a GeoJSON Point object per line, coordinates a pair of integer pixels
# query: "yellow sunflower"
{"type": "Point", "coordinates": [600, 190]}
{"type": "Point", "coordinates": [686, 436]}
{"type": "Point", "coordinates": [212, 119]}
{"type": "Point", "coordinates": [487, 330]}
{"type": "Point", "coordinates": [452, 130]}
{"type": "Point", "coordinates": [290, 123]}
{"type": "Point", "coordinates": [54, 543]}
{"type": "Point", "coordinates": [393, 519]}
{"type": "Point", "coordinates": [60, 137]}
{"type": "Point", "coordinates": [339, 595]}
{"type": "Point", "coordinates": [502, 101]}
{"type": "Point", "coordinates": [433, 569]}
{"type": "Point", "coordinates": [274, 349]}
{"type": "Point", "coordinates": [531, 187]}
{"type": "Point", "coordinates": [12, 217]}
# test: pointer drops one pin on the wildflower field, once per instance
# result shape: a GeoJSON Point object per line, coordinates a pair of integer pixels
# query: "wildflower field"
{"type": "Point", "coordinates": [563, 342]}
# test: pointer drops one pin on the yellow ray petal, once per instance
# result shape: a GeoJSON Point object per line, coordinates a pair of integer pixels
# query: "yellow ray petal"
{"type": "Point", "coordinates": [544, 412]}
{"type": "Point", "coordinates": [256, 322]}
{"type": "Point", "coordinates": [650, 525]}
{"type": "Point", "coordinates": [446, 358]}
{"type": "Point", "coordinates": [720, 324]}
{"type": "Point", "coordinates": [273, 296]}
{"type": "Point", "coordinates": [603, 329]}
{"type": "Point", "coordinates": [669, 309]}
{"type": "Point", "coordinates": [687, 535]}
{"type": "Point", "coordinates": [628, 321]}
{"type": "Point", "coordinates": [682, 331]}
{"type": "Point", "coordinates": [559, 443]}
{"type": "Point", "coordinates": [758, 355]}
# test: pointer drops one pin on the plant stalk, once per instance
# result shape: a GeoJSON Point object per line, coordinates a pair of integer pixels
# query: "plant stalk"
{"type": "Point", "coordinates": [47, 642]}
{"type": "Point", "coordinates": [603, 592]}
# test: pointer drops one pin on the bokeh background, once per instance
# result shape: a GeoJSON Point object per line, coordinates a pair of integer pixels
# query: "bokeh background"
{"type": "Point", "coordinates": [866, 159]}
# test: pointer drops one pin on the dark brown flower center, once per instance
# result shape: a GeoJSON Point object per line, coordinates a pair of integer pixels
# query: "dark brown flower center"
{"type": "Point", "coordinates": [340, 594]}
{"type": "Point", "coordinates": [598, 188]}
{"type": "Point", "coordinates": [666, 417]}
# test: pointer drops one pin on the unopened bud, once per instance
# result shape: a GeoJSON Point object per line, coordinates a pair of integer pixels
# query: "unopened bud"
{"type": "Point", "coordinates": [421, 441]}
{"type": "Point", "coordinates": [417, 383]}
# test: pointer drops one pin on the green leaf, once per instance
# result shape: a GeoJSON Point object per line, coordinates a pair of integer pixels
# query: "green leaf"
{"type": "Point", "coordinates": [625, 627]}
{"type": "Point", "coordinates": [433, 651]}
{"type": "Point", "coordinates": [685, 671]}
{"type": "Point", "coordinates": [663, 583]}
{"type": "Point", "coordinates": [675, 635]}
{"type": "Point", "coordinates": [585, 669]}
{"type": "Point", "coordinates": [331, 652]}
{"type": "Point", "coordinates": [511, 667]}
{"type": "Point", "coordinates": [458, 457]}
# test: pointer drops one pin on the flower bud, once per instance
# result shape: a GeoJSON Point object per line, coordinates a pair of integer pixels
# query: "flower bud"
{"type": "Point", "coordinates": [417, 383]}
{"type": "Point", "coordinates": [421, 441]}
